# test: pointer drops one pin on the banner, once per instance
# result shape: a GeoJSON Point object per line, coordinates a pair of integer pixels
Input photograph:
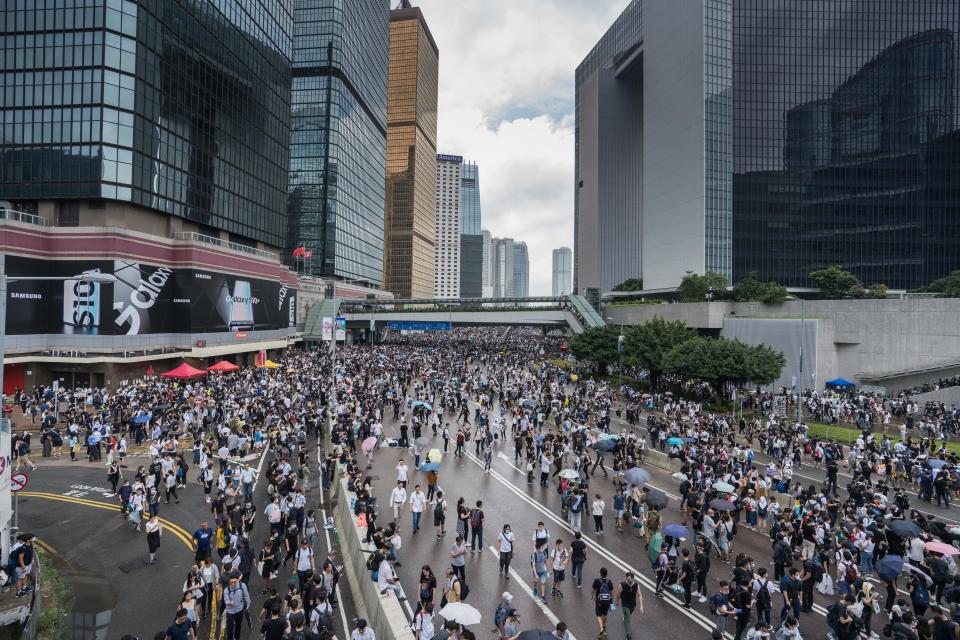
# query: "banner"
{"type": "Point", "coordinates": [328, 328]}
{"type": "Point", "coordinates": [144, 299]}
{"type": "Point", "coordinates": [341, 328]}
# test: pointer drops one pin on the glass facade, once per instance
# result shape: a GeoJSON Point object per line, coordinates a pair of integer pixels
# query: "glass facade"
{"type": "Point", "coordinates": [718, 137]}
{"type": "Point", "coordinates": [181, 106]}
{"type": "Point", "coordinates": [338, 136]}
{"type": "Point", "coordinates": [521, 270]}
{"type": "Point", "coordinates": [411, 170]}
{"type": "Point", "coordinates": [846, 144]}
{"type": "Point", "coordinates": [470, 199]}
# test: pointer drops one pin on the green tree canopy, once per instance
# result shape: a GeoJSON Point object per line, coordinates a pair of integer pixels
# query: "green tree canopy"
{"type": "Point", "coordinates": [945, 287]}
{"type": "Point", "coordinates": [630, 284]}
{"type": "Point", "coordinates": [750, 289]}
{"type": "Point", "coordinates": [646, 345]}
{"type": "Point", "coordinates": [597, 345]}
{"type": "Point", "coordinates": [719, 361]}
{"type": "Point", "coordinates": [695, 287]}
{"type": "Point", "coordinates": [835, 282]}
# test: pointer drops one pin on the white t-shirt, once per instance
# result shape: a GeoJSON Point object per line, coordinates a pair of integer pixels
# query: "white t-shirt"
{"type": "Point", "coordinates": [424, 624]}
{"type": "Point", "coordinates": [598, 506]}
{"type": "Point", "coordinates": [418, 500]}
{"type": "Point", "coordinates": [304, 554]}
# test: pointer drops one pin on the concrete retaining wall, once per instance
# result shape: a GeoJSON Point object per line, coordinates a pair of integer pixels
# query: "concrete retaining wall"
{"type": "Point", "coordinates": [384, 614]}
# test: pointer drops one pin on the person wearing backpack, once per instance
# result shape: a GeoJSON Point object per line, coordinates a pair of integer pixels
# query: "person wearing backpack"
{"type": "Point", "coordinates": [720, 607]}
{"type": "Point", "coordinates": [763, 595]}
{"type": "Point", "coordinates": [839, 620]}
{"type": "Point", "coordinates": [422, 626]}
{"type": "Point", "coordinates": [476, 528]}
{"type": "Point", "coordinates": [919, 594]}
{"type": "Point", "coordinates": [603, 600]}
{"type": "Point", "coordinates": [440, 515]}
{"type": "Point", "coordinates": [575, 515]}
{"type": "Point", "coordinates": [790, 588]}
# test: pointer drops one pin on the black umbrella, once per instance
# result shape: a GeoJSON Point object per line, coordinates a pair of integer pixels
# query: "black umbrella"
{"type": "Point", "coordinates": [905, 528]}
{"type": "Point", "coordinates": [656, 499]}
{"type": "Point", "coordinates": [536, 634]}
{"type": "Point", "coordinates": [722, 505]}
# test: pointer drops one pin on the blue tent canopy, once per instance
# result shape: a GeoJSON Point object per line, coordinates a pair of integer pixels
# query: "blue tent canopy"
{"type": "Point", "coordinates": [840, 382]}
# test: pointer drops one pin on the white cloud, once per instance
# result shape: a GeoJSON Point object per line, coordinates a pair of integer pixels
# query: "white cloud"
{"type": "Point", "coordinates": [507, 103]}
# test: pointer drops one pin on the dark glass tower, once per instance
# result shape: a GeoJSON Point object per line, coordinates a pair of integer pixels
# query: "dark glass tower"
{"type": "Point", "coordinates": [178, 106]}
{"type": "Point", "coordinates": [338, 138]}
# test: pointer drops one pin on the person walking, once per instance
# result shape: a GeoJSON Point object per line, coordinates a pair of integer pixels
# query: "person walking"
{"type": "Point", "coordinates": [538, 564]}
{"type": "Point", "coordinates": [476, 528]}
{"type": "Point", "coordinates": [236, 600]}
{"type": "Point", "coordinates": [153, 529]}
{"type": "Point", "coordinates": [505, 540]}
{"type": "Point", "coordinates": [458, 558]}
{"type": "Point", "coordinates": [558, 556]}
{"type": "Point", "coordinates": [686, 576]}
{"type": "Point", "coordinates": [578, 557]}
{"type": "Point", "coordinates": [602, 598]}
{"type": "Point", "coordinates": [418, 502]}
{"type": "Point", "coordinates": [628, 598]}
{"type": "Point", "coordinates": [397, 499]}
{"type": "Point", "coordinates": [440, 515]}
{"type": "Point", "coordinates": [597, 511]}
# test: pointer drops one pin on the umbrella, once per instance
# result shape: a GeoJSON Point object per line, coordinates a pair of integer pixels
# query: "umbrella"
{"type": "Point", "coordinates": [674, 442]}
{"type": "Point", "coordinates": [656, 499]}
{"type": "Point", "coordinates": [528, 402]}
{"type": "Point", "coordinates": [919, 572]}
{"type": "Point", "coordinates": [690, 440]}
{"type": "Point", "coordinates": [653, 549]}
{"type": "Point", "coordinates": [569, 474]}
{"type": "Point", "coordinates": [936, 463]}
{"type": "Point", "coordinates": [905, 528]}
{"type": "Point", "coordinates": [461, 613]}
{"type": "Point", "coordinates": [434, 455]}
{"type": "Point", "coordinates": [183, 371]}
{"type": "Point", "coordinates": [676, 531]}
{"type": "Point", "coordinates": [724, 487]}
{"type": "Point", "coordinates": [420, 403]}
{"type": "Point", "coordinates": [889, 567]}
{"type": "Point", "coordinates": [636, 476]}
{"type": "Point", "coordinates": [942, 548]}
{"type": "Point", "coordinates": [368, 444]}
{"type": "Point", "coordinates": [223, 365]}
{"type": "Point", "coordinates": [536, 634]}
{"type": "Point", "coordinates": [140, 419]}
{"type": "Point", "coordinates": [722, 505]}
{"type": "Point", "coordinates": [604, 445]}
{"type": "Point", "coordinates": [269, 364]}
{"type": "Point", "coordinates": [429, 466]}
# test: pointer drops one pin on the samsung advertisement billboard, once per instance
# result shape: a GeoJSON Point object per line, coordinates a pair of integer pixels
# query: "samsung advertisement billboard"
{"type": "Point", "coordinates": [144, 299]}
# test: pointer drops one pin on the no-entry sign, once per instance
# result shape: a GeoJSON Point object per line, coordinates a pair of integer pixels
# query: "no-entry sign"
{"type": "Point", "coordinates": [18, 481]}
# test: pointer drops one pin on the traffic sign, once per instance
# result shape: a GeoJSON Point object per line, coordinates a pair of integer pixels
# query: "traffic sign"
{"type": "Point", "coordinates": [18, 481]}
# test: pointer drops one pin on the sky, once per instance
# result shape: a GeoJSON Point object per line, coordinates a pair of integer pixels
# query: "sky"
{"type": "Point", "coordinates": [506, 102]}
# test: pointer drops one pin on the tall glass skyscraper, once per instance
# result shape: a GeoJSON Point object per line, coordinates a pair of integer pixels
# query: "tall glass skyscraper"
{"type": "Point", "coordinates": [773, 136]}
{"type": "Point", "coordinates": [338, 139]}
{"type": "Point", "coordinates": [470, 199]}
{"type": "Point", "coordinates": [471, 240]}
{"type": "Point", "coordinates": [521, 270]}
{"type": "Point", "coordinates": [149, 110]}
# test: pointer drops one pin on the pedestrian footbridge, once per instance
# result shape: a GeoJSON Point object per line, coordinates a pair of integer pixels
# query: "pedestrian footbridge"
{"type": "Point", "coordinates": [570, 313]}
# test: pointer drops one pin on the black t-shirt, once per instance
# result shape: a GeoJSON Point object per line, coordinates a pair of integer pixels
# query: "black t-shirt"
{"type": "Point", "coordinates": [628, 594]}
{"type": "Point", "coordinates": [578, 550]}
{"type": "Point", "coordinates": [272, 629]}
{"type": "Point", "coordinates": [598, 585]}
{"type": "Point", "coordinates": [179, 631]}
{"type": "Point", "coordinates": [810, 568]}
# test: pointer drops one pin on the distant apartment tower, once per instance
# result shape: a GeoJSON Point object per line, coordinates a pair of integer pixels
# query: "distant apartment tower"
{"type": "Point", "coordinates": [562, 271]}
{"type": "Point", "coordinates": [471, 240]}
{"type": "Point", "coordinates": [503, 255]}
{"type": "Point", "coordinates": [338, 138]}
{"type": "Point", "coordinates": [487, 270]}
{"type": "Point", "coordinates": [521, 270]}
{"type": "Point", "coordinates": [446, 279]}
{"type": "Point", "coordinates": [411, 167]}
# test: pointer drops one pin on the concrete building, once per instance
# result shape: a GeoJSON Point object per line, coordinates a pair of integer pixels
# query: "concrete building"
{"type": "Point", "coordinates": [163, 166]}
{"type": "Point", "coordinates": [446, 280]}
{"type": "Point", "coordinates": [521, 270]}
{"type": "Point", "coordinates": [736, 136]}
{"type": "Point", "coordinates": [338, 139]}
{"type": "Point", "coordinates": [411, 169]}
{"type": "Point", "coordinates": [503, 271]}
{"type": "Point", "coordinates": [562, 271]}
{"type": "Point", "coordinates": [487, 269]}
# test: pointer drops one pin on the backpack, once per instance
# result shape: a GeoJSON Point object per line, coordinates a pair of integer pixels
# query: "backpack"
{"type": "Point", "coordinates": [850, 573]}
{"type": "Point", "coordinates": [763, 596]}
{"type": "Point", "coordinates": [475, 518]}
{"type": "Point", "coordinates": [603, 594]}
{"type": "Point", "coordinates": [921, 594]}
{"type": "Point", "coordinates": [716, 600]}
{"type": "Point", "coordinates": [464, 590]}
{"type": "Point", "coordinates": [577, 504]}
{"type": "Point", "coordinates": [438, 509]}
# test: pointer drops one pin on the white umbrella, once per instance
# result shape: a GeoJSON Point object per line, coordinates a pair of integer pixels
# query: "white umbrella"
{"type": "Point", "coordinates": [569, 474]}
{"type": "Point", "coordinates": [461, 613]}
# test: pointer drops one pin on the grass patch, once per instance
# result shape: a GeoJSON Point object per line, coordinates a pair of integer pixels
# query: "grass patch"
{"type": "Point", "coordinates": [57, 600]}
{"type": "Point", "coordinates": [849, 435]}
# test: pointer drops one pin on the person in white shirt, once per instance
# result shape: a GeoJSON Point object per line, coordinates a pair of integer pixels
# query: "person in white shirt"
{"type": "Point", "coordinates": [558, 557]}
{"type": "Point", "coordinates": [418, 502]}
{"type": "Point", "coordinates": [362, 632]}
{"type": "Point", "coordinates": [597, 511]}
{"type": "Point", "coordinates": [397, 498]}
{"type": "Point", "coordinates": [387, 579]}
{"type": "Point", "coordinates": [422, 625]}
{"type": "Point", "coordinates": [505, 540]}
{"type": "Point", "coordinates": [402, 473]}
{"type": "Point", "coordinates": [305, 563]}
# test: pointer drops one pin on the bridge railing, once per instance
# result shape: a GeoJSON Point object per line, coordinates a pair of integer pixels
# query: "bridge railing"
{"type": "Point", "coordinates": [543, 303]}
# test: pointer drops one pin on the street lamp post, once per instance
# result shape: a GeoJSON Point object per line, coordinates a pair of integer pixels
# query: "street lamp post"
{"type": "Point", "coordinates": [620, 348]}
{"type": "Point", "coordinates": [6, 439]}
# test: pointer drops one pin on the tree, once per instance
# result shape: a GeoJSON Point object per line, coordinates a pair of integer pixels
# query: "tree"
{"type": "Point", "coordinates": [878, 291]}
{"type": "Point", "coordinates": [694, 287]}
{"type": "Point", "coordinates": [750, 289]}
{"type": "Point", "coordinates": [645, 345]}
{"type": "Point", "coordinates": [835, 282]}
{"type": "Point", "coordinates": [598, 345]}
{"type": "Point", "coordinates": [630, 284]}
{"type": "Point", "coordinates": [719, 361]}
{"type": "Point", "coordinates": [945, 287]}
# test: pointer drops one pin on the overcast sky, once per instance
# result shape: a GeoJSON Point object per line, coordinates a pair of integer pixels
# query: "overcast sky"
{"type": "Point", "coordinates": [507, 103]}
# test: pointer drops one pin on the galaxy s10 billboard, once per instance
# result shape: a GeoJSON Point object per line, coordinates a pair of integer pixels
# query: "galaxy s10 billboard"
{"type": "Point", "coordinates": [143, 299]}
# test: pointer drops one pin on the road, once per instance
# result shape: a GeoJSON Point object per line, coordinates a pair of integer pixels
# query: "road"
{"type": "Point", "coordinates": [70, 508]}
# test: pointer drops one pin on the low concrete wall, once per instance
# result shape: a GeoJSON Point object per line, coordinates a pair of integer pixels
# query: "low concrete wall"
{"type": "Point", "coordinates": [384, 614]}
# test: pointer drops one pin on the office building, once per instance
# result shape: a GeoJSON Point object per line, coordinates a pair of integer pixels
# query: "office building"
{"type": "Point", "coordinates": [338, 138]}
{"type": "Point", "coordinates": [411, 171]}
{"type": "Point", "coordinates": [470, 199]}
{"type": "Point", "coordinates": [471, 240]}
{"type": "Point", "coordinates": [746, 135]}
{"type": "Point", "coordinates": [503, 271]}
{"type": "Point", "coordinates": [521, 270]}
{"type": "Point", "coordinates": [148, 141]}
{"type": "Point", "coordinates": [562, 271]}
{"type": "Point", "coordinates": [446, 280]}
{"type": "Point", "coordinates": [486, 264]}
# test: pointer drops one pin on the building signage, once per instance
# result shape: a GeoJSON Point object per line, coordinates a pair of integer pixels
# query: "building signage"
{"type": "Point", "coordinates": [341, 328]}
{"type": "Point", "coordinates": [144, 299]}
{"type": "Point", "coordinates": [445, 158]}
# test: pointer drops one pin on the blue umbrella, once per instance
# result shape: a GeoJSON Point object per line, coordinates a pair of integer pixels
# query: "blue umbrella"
{"type": "Point", "coordinates": [889, 567]}
{"type": "Point", "coordinates": [420, 403]}
{"type": "Point", "coordinates": [604, 445]}
{"type": "Point", "coordinates": [690, 440]}
{"type": "Point", "coordinates": [636, 476]}
{"type": "Point", "coordinates": [936, 463]}
{"type": "Point", "coordinates": [429, 466]}
{"type": "Point", "coordinates": [674, 442]}
{"type": "Point", "coordinates": [676, 531]}
{"type": "Point", "coordinates": [140, 419]}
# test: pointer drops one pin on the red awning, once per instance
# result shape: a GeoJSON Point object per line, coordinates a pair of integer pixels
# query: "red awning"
{"type": "Point", "coordinates": [223, 365]}
{"type": "Point", "coordinates": [183, 371]}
